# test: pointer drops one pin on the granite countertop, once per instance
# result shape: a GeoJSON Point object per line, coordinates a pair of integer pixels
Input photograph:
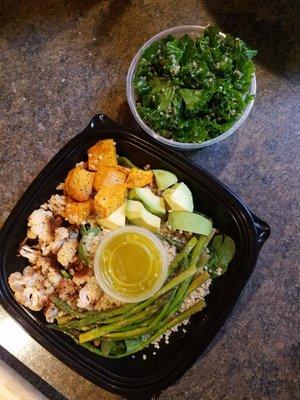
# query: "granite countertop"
{"type": "Point", "coordinates": [64, 61]}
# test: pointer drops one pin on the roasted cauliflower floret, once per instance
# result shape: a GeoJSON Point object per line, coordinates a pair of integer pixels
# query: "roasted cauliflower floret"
{"type": "Point", "coordinates": [79, 183]}
{"type": "Point", "coordinates": [31, 298]}
{"type": "Point", "coordinates": [41, 225]}
{"type": "Point", "coordinates": [29, 253]}
{"type": "Point", "coordinates": [89, 294]}
{"type": "Point", "coordinates": [54, 276]}
{"type": "Point", "coordinates": [51, 312]}
{"type": "Point", "coordinates": [109, 198]}
{"type": "Point", "coordinates": [15, 281]}
{"type": "Point", "coordinates": [105, 302]}
{"type": "Point", "coordinates": [82, 276]}
{"type": "Point", "coordinates": [61, 234]}
{"type": "Point", "coordinates": [102, 153]}
{"type": "Point", "coordinates": [67, 290]}
{"type": "Point", "coordinates": [57, 204]}
{"type": "Point", "coordinates": [28, 288]}
{"type": "Point", "coordinates": [67, 252]}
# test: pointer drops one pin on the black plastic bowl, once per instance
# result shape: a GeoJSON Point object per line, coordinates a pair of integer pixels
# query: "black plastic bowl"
{"type": "Point", "coordinates": [136, 378]}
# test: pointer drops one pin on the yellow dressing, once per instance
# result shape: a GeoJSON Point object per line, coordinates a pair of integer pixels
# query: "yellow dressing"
{"type": "Point", "coordinates": [131, 264]}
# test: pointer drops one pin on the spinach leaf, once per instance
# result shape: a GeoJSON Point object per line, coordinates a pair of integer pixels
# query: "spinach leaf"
{"type": "Point", "coordinates": [131, 344]}
{"type": "Point", "coordinates": [112, 347]}
{"type": "Point", "coordinates": [222, 249]}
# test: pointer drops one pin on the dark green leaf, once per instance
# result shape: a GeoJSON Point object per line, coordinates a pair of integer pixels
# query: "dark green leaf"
{"type": "Point", "coordinates": [131, 344]}
{"type": "Point", "coordinates": [125, 162]}
{"type": "Point", "coordinates": [193, 90]}
{"type": "Point", "coordinates": [112, 347]}
{"type": "Point", "coordinates": [222, 249]}
{"type": "Point", "coordinates": [65, 274]}
{"type": "Point", "coordinates": [194, 100]}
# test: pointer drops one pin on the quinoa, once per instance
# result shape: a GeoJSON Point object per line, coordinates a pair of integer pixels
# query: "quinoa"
{"type": "Point", "coordinates": [192, 299]}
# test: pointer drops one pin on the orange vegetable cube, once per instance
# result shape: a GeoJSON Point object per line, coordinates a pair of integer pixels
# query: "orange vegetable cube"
{"type": "Point", "coordinates": [125, 170]}
{"type": "Point", "coordinates": [79, 183]}
{"type": "Point", "coordinates": [102, 153]}
{"type": "Point", "coordinates": [108, 176]}
{"type": "Point", "coordinates": [139, 178]}
{"type": "Point", "coordinates": [78, 212]}
{"type": "Point", "coordinates": [109, 198]}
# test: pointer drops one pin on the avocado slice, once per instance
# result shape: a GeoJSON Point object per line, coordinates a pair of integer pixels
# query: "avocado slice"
{"type": "Point", "coordinates": [179, 197]}
{"type": "Point", "coordinates": [164, 179]}
{"type": "Point", "coordinates": [152, 203]}
{"type": "Point", "coordinates": [190, 222]}
{"type": "Point", "coordinates": [115, 219]}
{"type": "Point", "coordinates": [138, 215]}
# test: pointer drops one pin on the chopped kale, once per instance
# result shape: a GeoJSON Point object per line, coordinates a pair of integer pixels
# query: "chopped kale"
{"type": "Point", "coordinates": [194, 90]}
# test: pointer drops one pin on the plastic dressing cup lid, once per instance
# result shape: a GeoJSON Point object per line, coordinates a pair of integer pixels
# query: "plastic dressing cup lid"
{"type": "Point", "coordinates": [130, 264]}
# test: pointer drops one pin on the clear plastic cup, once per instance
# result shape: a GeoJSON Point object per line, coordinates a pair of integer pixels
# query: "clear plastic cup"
{"type": "Point", "coordinates": [193, 31]}
{"type": "Point", "coordinates": [101, 279]}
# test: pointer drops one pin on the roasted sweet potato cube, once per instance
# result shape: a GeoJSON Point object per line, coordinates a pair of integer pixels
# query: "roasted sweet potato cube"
{"type": "Point", "coordinates": [139, 178]}
{"type": "Point", "coordinates": [125, 170]}
{"type": "Point", "coordinates": [102, 153]}
{"type": "Point", "coordinates": [108, 176]}
{"type": "Point", "coordinates": [109, 198]}
{"type": "Point", "coordinates": [78, 212]}
{"type": "Point", "coordinates": [79, 183]}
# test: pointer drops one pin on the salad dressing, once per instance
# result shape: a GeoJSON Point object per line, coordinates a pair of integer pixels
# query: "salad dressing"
{"type": "Point", "coordinates": [131, 264]}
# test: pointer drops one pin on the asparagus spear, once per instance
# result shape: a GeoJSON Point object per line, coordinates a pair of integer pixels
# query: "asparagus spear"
{"type": "Point", "coordinates": [198, 281]}
{"type": "Point", "coordinates": [177, 320]}
{"type": "Point", "coordinates": [113, 317]}
{"type": "Point", "coordinates": [184, 253]}
{"type": "Point", "coordinates": [64, 306]}
{"type": "Point", "coordinates": [98, 332]}
{"type": "Point", "coordinates": [171, 307]}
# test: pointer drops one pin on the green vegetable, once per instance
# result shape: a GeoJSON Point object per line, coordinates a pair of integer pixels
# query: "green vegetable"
{"type": "Point", "coordinates": [112, 347]}
{"type": "Point", "coordinates": [63, 306]}
{"type": "Point", "coordinates": [194, 90]}
{"type": "Point", "coordinates": [164, 179]}
{"type": "Point", "coordinates": [101, 331]}
{"type": "Point", "coordinates": [125, 162]}
{"type": "Point", "coordinates": [132, 344]}
{"type": "Point", "coordinates": [195, 259]}
{"type": "Point", "coordinates": [198, 281]}
{"type": "Point", "coordinates": [97, 317]}
{"type": "Point", "coordinates": [82, 252]}
{"type": "Point", "coordinates": [65, 274]}
{"type": "Point", "coordinates": [190, 222]}
{"type": "Point", "coordinates": [173, 241]}
{"type": "Point", "coordinates": [132, 327]}
{"type": "Point", "coordinates": [177, 280]}
{"type": "Point", "coordinates": [222, 249]}
{"type": "Point", "coordinates": [145, 343]}
{"type": "Point", "coordinates": [184, 253]}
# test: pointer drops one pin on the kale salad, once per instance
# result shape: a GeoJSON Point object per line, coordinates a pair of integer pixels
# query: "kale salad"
{"type": "Point", "coordinates": [193, 90]}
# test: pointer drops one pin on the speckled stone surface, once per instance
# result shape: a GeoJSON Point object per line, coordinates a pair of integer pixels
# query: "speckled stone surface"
{"type": "Point", "coordinates": [64, 61]}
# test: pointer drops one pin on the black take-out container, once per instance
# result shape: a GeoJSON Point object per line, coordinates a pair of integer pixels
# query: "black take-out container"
{"type": "Point", "coordinates": [136, 378]}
